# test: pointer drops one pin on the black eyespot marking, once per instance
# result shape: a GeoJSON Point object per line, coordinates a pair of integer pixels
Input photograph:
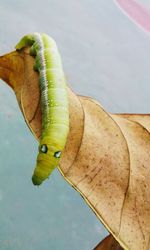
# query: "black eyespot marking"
{"type": "Point", "coordinates": [43, 148]}
{"type": "Point", "coordinates": [57, 154]}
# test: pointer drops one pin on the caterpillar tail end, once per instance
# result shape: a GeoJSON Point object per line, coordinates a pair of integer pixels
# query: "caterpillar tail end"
{"type": "Point", "coordinates": [26, 41]}
{"type": "Point", "coordinates": [36, 180]}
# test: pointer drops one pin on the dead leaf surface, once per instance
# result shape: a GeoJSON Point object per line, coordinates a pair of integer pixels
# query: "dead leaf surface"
{"type": "Point", "coordinates": [109, 243]}
{"type": "Point", "coordinates": [106, 158]}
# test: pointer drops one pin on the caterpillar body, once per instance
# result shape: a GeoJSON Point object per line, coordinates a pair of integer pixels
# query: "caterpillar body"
{"type": "Point", "coordinates": [54, 103]}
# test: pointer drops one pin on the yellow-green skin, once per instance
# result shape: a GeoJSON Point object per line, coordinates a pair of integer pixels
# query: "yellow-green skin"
{"type": "Point", "coordinates": [54, 103]}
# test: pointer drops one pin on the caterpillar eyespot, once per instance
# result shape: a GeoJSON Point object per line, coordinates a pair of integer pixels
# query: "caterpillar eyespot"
{"type": "Point", "coordinates": [57, 154]}
{"type": "Point", "coordinates": [54, 103]}
{"type": "Point", "coordinates": [43, 148]}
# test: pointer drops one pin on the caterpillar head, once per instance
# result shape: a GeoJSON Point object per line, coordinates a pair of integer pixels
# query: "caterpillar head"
{"type": "Point", "coordinates": [47, 160]}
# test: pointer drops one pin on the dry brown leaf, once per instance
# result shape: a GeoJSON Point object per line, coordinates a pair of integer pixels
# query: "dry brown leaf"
{"type": "Point", "coordinates": [106, 158]}
{"type": "Point", "coordinates": [109, 243]}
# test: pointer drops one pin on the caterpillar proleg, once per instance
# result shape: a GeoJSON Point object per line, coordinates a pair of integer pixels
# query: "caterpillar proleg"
{"type": "Point", "coordinates": [54, 103]}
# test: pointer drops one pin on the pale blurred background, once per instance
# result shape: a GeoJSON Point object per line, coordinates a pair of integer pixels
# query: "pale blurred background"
{"type": "Point", "coordinates": [105, 56]}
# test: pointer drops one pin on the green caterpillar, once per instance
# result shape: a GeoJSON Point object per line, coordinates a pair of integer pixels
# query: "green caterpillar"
{"type": "Point", "coordinates": [54, 103]}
